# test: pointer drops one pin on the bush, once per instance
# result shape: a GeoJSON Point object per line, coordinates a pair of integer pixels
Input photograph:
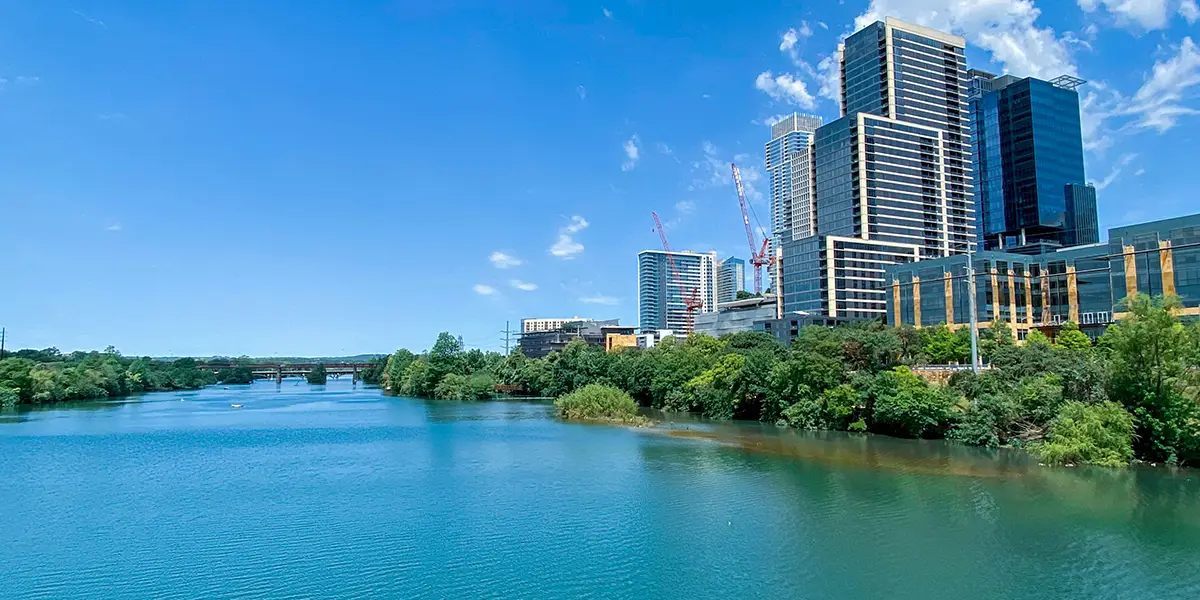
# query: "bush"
{"type": "Point", "coordinates": [1098, 434]}
{"type": "Point", "coordinates": [453, 386]}
{"type": "Point", "coordinates": [835, 409]}
{"type": "Point", "coordinates": [9, 397]}
{"type": "Point", "coordinates": [598, 402]}
{"type": "Point", "coordinates": [906, 406]}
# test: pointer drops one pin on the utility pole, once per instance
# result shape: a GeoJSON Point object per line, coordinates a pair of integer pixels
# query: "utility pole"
{"type": "Point", "coordinates": [974, 317]}
{"type": "Point", "coordinates": [506, 338]}
{"type": "Point", "coordinates": [3, 333]}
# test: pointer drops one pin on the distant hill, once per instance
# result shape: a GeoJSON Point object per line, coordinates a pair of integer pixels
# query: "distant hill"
{"type": "Point", "coordinates": [357, 358]}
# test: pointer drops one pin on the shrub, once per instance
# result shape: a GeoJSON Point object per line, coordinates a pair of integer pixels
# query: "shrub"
{"type": "Point", "coordinates": [598, 402]}
{"type": "Point", "coordinates": [906, 406]}
{"type": "Point", "coordinates": [479, 386]}
{"type": "Point", "coordinates": [9, 397]}
{"type": "Point", "coordinates": [1099, 434]}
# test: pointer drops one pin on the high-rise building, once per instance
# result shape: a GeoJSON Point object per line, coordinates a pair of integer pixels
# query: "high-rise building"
{"type": "Point", "coordinates": [788, 166]}
{"type": "Point", "coordinates": [537, 325]}
{"type": "Point", "coordinates": [1028, 151]}
{"type": "Point", "coordinates": [892, 177]}
{"type": "Point", "coordinates": [731, 279]}
{"type": "Point", "coordinates": [662, 299]}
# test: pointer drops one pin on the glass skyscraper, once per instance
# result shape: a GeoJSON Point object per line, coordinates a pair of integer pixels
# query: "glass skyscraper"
{"type": "Point", "coordinates": [1028, 148]}
{"type": "Point", "coordinates": [892, 178]}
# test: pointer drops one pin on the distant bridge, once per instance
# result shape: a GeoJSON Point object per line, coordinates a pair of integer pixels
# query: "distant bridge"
{"type": "Point", "coordinates": [281, 370]}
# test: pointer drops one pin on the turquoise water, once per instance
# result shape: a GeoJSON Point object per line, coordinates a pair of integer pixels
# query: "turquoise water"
{"type": "Point", "coordinates": [341, 493]}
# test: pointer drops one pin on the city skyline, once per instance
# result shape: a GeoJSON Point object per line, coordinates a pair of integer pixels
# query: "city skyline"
{"type": "Point", "coordinates": [115, 154]}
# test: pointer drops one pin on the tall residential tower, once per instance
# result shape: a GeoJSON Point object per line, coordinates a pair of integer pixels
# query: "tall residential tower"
{"type": "Point", "coordinates": [731, 279]}
{"type": "Point", "coordinates": [892, 178]}
{"type": "Point", "coordinates": [662, 300]}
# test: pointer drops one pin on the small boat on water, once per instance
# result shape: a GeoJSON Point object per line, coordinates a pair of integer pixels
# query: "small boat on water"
{"type": "Point", "coordinates": [235, 406]}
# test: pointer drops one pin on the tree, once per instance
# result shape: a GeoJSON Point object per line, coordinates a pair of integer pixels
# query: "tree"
{"type": "Point", "coordinates": [943, 346]}
{"type": "Point", "coordinates": [1100, 434]}
{"type": "Point", "coordinates": [9, 397]}
{"type": "Point", "coordinates": [393, 372]}
{"type": "Point", "coordinates": [744, 295]}
{"type": "Point", "coordinates": [904, 405]}
{"type": "Point", "coordinates": [318, 375]}
{"type": "Point", "coordinates": [1071, 338]}
{"type": "Point", "coordinates": [1035, 337]}
{"type": "Point", "coordinates": [1150, 350]}
{"type": "Point", "coordinates": [235, 376]}
{"type": "Point", "coordinates": [446, 355]}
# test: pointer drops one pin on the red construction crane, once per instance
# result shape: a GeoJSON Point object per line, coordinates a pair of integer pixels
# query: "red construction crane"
{"type": "Point", "coordinates": [758, 258]}
{"type": "Point", "coordinates": [691, 298]}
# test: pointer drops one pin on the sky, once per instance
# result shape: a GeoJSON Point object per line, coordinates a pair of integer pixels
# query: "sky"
{"type": "Point", "coordinates": [201, 177]}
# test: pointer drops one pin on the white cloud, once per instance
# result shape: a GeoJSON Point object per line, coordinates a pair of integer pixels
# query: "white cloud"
{"type": "Point", "coordinates": [1139, 172]}
{"type": "Point", "coordinates": [566, 247]}
{"type": "Point", "coordinates": [607, 13]}
{"type": "Point", "coordinates": [1006, 29]}
{"type": "Point", "coordinates": [1189, 10]}
{"type": "Point", "coordinates": [524, 286]}
{"type": "Point", "coordinates": [1145, 14]}
{"type": "Point", "coordinates": [600, 299]}
{"type": "Point", "coordinates": [484, 290]}
{"type": "Point", "coordinates": [792, 37]}
{"type": "Point", "coordinates": [113, 227]}
{"type": "Point", "coordinates": [706, 96]}
{"type": "Point", "coordinates": [716, 172]}
{"type": "Point", "coordinates": [686, 207]}
{"type": "Point", "coordinates": [1115, 173]}
{"type": "Point", "coordinates": [582, 91]}
{"type": "Point", "coordinates": [632, 153]}
{"type": "Point", "coordinates": [502, 260]}
{"type": "Point", "coordinates": [1158, 104]}
{"type": "Point", "coordinates": [663, 149]}
{"type": "Point", "coordinates": [24, 80]}
{"type": "Point", "coordinates": [773, 119]}
{"type": "Point", "coordinates": [822, 25]}
{"type": "Point", "coordinates": [785, 87]}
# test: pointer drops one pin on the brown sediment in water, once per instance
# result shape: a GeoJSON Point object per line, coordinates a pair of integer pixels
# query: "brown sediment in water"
{"type": "Point", "coordinates": [859, 451]}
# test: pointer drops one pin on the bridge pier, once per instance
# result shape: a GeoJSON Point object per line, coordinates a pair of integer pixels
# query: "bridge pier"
{"type": "Point", "coordinates": [278, 375]}
{"type": "Point", "coordinates": [354, 381]}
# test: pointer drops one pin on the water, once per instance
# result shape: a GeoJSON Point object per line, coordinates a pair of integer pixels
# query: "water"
{"type": "Point", "coordinates": [341, 493]}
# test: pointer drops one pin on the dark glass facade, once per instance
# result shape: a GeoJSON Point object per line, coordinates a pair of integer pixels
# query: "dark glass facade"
{"type": "Point", "coordinates": [1028, 149]}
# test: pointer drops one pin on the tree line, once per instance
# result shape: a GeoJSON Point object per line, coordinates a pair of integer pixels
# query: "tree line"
{"type": "Point", "coordinates": [48, 376]}
{"type": "Point", "coordinates": [1133, 394]}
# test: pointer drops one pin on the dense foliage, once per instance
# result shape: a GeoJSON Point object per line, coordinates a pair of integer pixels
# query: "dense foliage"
{"type": "Point", "coordinates": [235, 376]}
{"type": "Point", "coordinates": [1054, 395]}
{"type": "Point", "coordinates": [47, 376]}
{"type": "Point", "coordinates": [597, 402]}
{"type": "Point", "coordinates": [318, 375]}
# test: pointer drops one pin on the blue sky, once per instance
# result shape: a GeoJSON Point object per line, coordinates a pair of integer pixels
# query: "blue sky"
{"type": "Point", "coordinates": [200, 177]}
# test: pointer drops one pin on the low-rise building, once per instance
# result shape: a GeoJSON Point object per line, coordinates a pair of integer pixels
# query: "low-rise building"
{"type": "Point", "coordinates": [539, 344]}
{"type": "Point", "coordinates": [1086, 285]}
{"type": "Point", "coordinates": [736, 316]}
{"type": "Point", "coordinates": [535, 325]}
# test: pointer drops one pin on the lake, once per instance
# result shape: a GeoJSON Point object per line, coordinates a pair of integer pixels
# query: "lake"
{"type": "Point", "coordinates": [339, 492]}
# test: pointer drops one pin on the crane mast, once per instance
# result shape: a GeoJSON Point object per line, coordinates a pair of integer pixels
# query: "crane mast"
{"type": "Point", "coordinates": [758, 258]}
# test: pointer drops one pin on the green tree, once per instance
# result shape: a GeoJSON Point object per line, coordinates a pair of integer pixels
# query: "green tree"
{"type": "Point", "coordinates": [9, 397]}
{"type": "Point", "coordinates": [418, 379]}
{"type": "Point", "coordinates": [318, 375]}
{"type": "Point", "coordinates": [1035, 337]}
{"type": "Point", "coordinates": [944, 346]}
{"type": "Point", "coordinates": [904, 405]}
{"type": "Point", "coordinates": [1071, 338]}
{"type": "Point", "coordinates": [445, 356]}
{"type": "Point", "coordinates": [1150, 351]}
{"type": "Point", "coordinates": [393, 372]}
{"type": "Point", "coordinates": [1100, 434]}
{"type": "Point", "coordinates": [235, 376]}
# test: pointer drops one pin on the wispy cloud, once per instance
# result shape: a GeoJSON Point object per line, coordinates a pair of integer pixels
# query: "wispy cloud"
{"type": "Point", "coordinates": [117, 116]}
{"type": "Point", "coordinates": [92, 20]}
{"type": "Point", "coordinates": [524, 286]}
{"type": "Point", "coordinates": [664, 149]}
{"type": "Point", "coordinates": [716, 172]}
{"type": "Point", "coordinates": [632, 153]}
{"type": "Point", "coordinates": [600, 299]}
{"type": "Point", "coordinates": [686, 207]}
{"type": "Point", "coordinates": [1115, 173]}
{"type": "Point", "coordinates": [503, 260]}
{"type": "Point", "coordinates": [566, 247]}
{"type": "Point", "coordinates": [785, 87]}
{"type": "Point", "coordinates": [581, 91]}
{"type": "Point", "coordinates": [1158, 104]}
{"type": "Point", "coordinates": [607, 13]}
{"type": "Point", "coordinates": [113, 227]}
{"type": "Point", "coordinates": [484, 290]}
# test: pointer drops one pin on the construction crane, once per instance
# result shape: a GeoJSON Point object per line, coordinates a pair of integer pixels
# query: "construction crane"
{"type": "Point", "coordinates": [758, 258]}
{"type": "Point", "coordinates": [691, 298]}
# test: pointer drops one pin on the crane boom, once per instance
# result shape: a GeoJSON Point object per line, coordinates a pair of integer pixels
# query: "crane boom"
{"type": "Point", "coordinates": [758, 258]}
{"type": "Point", "coordinates": [691, 298]}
